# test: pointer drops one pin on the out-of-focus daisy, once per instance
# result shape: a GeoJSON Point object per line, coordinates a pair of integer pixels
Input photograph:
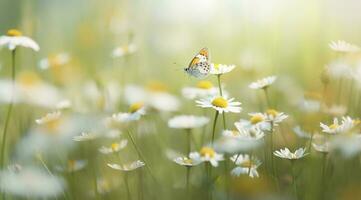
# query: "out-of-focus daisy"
{"type": "Point", "coordinates": [301, 133]}
{"type": "Point", "coordinates": [188, 162]}
{"type": "Point", "coordinates": [51, 121]}
{"type": "Point", "coordinates": [287, 154]}
{"type": "Point", "coordinates": [244, 132]}
{"type": "Point", "coordinates": [103, 186]}
{"type": "Point", "coordinates": [187, 121]}
{"type": "Point", "coordinates": [48, 118]}
{"type": "Point", "coordinates": [323, 148]}
{"type": "Point", "coordinates": [346, 125]}
{"type": "Point", "coordinates": [263, 83]}
{"type": "Point", "coordinates": [245, 165]}
{"type": "Point", "coordinates": [258, 120]}
{"type": "Point", "coordinates": [310, 105]}
{"type": "Point", "coordinates": [30, 182]}
{"type": "Point", "coordinates": [202, 90]}
{"type": "Point", "coordinates": [221, 104]}
{"type": "Point", "coordinates": [335, 110]}
{"type": "Point", "coordinates": [275, 117]}
{"type": "Point", "coordinates": [57, 60]}
{"type": "Point", "coordinates": [63, 104]}
{"type": "Point", "coordinates": [207, 154]}
{"type": "Point", "coordinates": [73, 166]}
{"type": "Point", "coordinates": [340, 69]}
{"type": "Point", "coordinates": [127, 167]}
{"type": "Point", "coordinates": [344, 47]}
{"type": "Point", "coordinates": [348, 145]}
{"type": "Point", "coordinates": [15, 38]}
{"type": "Point", "coordinates": [154, 96]}
{"type": "Point", "coordinates": [113, 133]}
{"type": "Point", "coordinates": [85, 136]}
{"type": "Point", "coordinates": [124, 50]}
{"type": "Point", "coordinates": [114, 147]}
{"type": "Point", "coordinates": [136, 110]}
{"type": "Point", "coordinates": [219, 69]}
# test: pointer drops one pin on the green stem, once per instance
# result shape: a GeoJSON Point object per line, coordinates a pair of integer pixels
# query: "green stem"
{"type": "Point", "coordinates": [10, 108]}
{"type": "Point", "coordinates": [214, 126]}
{"type": "Point", "coordinates": [187, 182]}
{"type": "Point", "coordinates": [127, 186]}
{"type": "Point", "coordinates": [141, 155]}
{"type": "Point", "coordinates": [221, 93]}
{"type": "Point", "coordinates": [219, 84]}
{"type": "Point", "coordinates": [268, 101]}
{"type": "Point", "coordinates": [189, 135]}
{"type": "Point", "coordinates": [294, 181]}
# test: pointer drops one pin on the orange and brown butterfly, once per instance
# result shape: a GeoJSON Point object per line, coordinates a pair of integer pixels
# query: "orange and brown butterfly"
{"type": "Point", "coordinates": [200, 65]}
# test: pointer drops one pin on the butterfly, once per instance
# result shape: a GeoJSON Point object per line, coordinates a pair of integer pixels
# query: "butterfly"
{"type": "Point", "coordinates": [200, 65]}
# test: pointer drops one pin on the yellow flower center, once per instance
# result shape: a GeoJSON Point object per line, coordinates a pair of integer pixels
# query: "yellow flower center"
{"type": "Point", "coordinates": [13, 33]}
{"type": "Point", "coordinates": [333, 126]}
{"type": "Point", "coordinates": [53, 125]}
{"type": "Point", "coordinates": [28, 79]}
{"type": "Point", "coordinates": [204, 85]}
{"type": "Point", "coordinates": [188, 161]}
{"type": "Point", "coordinates": [256, 119]}
{"type": "Point", "coordinates": [114, 146]}
{"type": "Point", "coordinates": [272, 112]}
{"type": "Point", "coordinates": [71, 164]}
{"type": "Point", "coordinates": [156, 86]}
{"type": "Point", "coordinates": [207, 151]}
{"type": "Point", "coordinates": [235, 133]}
{"type": "Point", "coordinates": [356, 121]}
{"type": "Point", "coordinates": [220, 102]}
{"type": "Point", "coordinates": [216, 66]}
{"type": "Point", "coordinates": [135, 107]}
{"type": "Point", "coordinates": [246, 163]}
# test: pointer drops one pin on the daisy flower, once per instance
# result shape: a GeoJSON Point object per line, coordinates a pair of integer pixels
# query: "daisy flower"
{"type": "Point", "coordinates": [124, 50]}
{"type": "Point", "coordinates": [114, 147]}
{"type": "Point", "coordinates": [258, 120]}
{"type": "Point", "coordinates": [275, 117]}
{"type": "Point", "coordinates": [244, 132]}
{"type": "Point", "coordinates": [221, 104]}
{"type": "Point", "coordinates": [219, 69]}
{"type": "Point", "coordinates": [48, 118]}
{"type": "Point", "coordinates": [14, 38]}
{"type": "Point", "coordinates": [30, 182]}
{"type": "Point", "coordinates": [343, 47]}
{"type": "Point", "coordinates": [347, 123]}
{"type": "Point", "coordinates": [73, 166]}
{"type": "Point", "coordinates": [188, 162]}
{"type": "Point", "coordinates": [63, 104]}
{"type": "Point", "coordinates": [54, 61]}
{"type": "Point", "coordinates": [263, 83]}
{"type": "Point", "coordinates": [203, 89]}
{"type": "Point", "coordinates": [187, 121]}
{"type": "Point", "coordinates": [127, 167]}
{"type": "Point", "coordinates": [245, 165]}
{"type": "Point", "coordinates": [207, 154]}
{"type": "Point", "coordinates": [323, 148]}
{"type": "Point", "coordinates": [85, 136]}
{"type": "Point", "coordinates": [136, 110]}
{"type": "Point", "coordinates": [301, 133]}
{"type": "Point", "coordinates": [287, 154]}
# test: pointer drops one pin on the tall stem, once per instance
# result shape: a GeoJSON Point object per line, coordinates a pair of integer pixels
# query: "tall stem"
{"type": "Point", "coordinates": [221, 93]}
{"type": "Point", "coordinates": [10, 108]}
{"type": "Point", "coordinates": [294, 181]}
{"type": "Point", "coordinates": [268, 101]}
{"type": "Point", "coordinates": [189, 137]}
{"type": "Point", "coordinates": [141, 155]}
{"type": "Point", "coordinates": [187, 181]}
{"type": "Point", "coordinates": [214, 126]}
{"type": "Point", "coordinates": [129, 197]}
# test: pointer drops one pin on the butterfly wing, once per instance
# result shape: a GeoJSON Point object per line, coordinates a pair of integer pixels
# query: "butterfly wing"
{"type": "Point", "coordinates": [199, 65]}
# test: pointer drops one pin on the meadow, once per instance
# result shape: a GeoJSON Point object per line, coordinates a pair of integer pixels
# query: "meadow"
{"type": "Point", "coordinates": [153, 100]}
